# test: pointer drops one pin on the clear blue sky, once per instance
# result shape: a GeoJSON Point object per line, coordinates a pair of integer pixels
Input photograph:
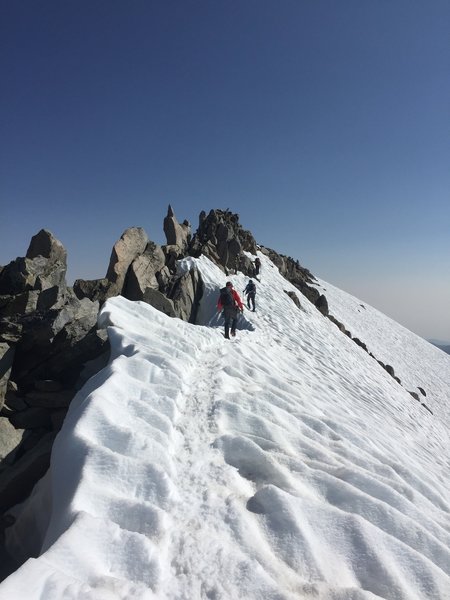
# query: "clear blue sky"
{"type": "Point", "coordinates": [324, 124]}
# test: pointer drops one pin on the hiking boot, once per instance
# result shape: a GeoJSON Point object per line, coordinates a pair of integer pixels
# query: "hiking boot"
{"type": "Point", "coordinates": [233, 333]}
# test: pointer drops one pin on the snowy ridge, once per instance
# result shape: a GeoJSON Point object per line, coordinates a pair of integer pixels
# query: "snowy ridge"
{"type": "Point", "coordinates": [282, 464]}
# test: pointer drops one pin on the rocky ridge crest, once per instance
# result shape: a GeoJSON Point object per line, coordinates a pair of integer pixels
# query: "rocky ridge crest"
{"type": "Point", "coordinates": [49, 341]}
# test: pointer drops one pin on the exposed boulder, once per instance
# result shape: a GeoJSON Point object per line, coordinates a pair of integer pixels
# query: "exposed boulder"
{"type": "Point", "coordinates": [185, 294]}
{"type": "Point", "coordinates": [293, 296]}
{"type": "Point", "coordinates": [339, 325]}
{"type": "Point", "coordinates": [361, 344]}
{"type": "Point", "coordinates": [23, 303]}
{"type": "Point", "coordinates": [142, 272]}
{"type": "Point", "coordinates": [159, 301]}
{"type": "Point", "coordinates": [176, 234]}
{"type": "Point", "coordinates": [94, 289]}
{"type": "Point", "coordinates": [46, 245]}
{"type": "Point", "coordinates": [390, 370]}
{"type": "Point", "coordinates": [322, 305]}
{"type": "Point", "coordinates": [56, 344]}
{"type": "Point", "coordinates": [43, 268]}
{"type": "Point", "coordinates": [131, 244]}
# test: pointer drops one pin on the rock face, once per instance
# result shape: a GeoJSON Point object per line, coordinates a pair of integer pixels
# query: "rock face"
{"type": "Point", "coordinates": [46, 334]}
{"type": "Point", "coordinates": [132, 243]}
{"type": "Point", "coordinates": [143, 271]}
{"type": "Point", "coordinates": [43, 269]}
{"type": "Point", "coordinates": [176, 234]}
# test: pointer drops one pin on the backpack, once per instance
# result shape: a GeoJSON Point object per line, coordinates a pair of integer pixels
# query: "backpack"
{"type": "Point", "coordinates": [226, 297]}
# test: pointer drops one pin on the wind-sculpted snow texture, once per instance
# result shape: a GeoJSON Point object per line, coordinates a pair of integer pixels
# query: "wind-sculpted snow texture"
{"type": "Point", "coordinates": [282, 464]}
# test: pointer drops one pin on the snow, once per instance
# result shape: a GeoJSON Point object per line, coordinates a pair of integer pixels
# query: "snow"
{"type": "Point", "coordinates": [284, 463]}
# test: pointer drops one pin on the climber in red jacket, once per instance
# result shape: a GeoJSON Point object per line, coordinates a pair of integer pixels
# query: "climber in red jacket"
{"type": "Point", "coordinates": [231, 304]}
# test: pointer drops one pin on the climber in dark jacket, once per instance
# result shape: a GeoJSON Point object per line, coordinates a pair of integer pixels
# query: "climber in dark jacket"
{"type": "Point", "coordinates": [231, 304]}
{"type": "Point", "coordinates": [250, 291]}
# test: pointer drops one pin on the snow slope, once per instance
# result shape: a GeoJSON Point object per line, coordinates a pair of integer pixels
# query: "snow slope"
{"type": "Point", "coordinates": [284, 463]}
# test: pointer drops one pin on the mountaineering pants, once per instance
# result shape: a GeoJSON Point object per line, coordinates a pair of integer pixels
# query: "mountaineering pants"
{"type": "Point", "coordinates": [251, 298]}
{"type": "Point", "coordinates": [230, 314]}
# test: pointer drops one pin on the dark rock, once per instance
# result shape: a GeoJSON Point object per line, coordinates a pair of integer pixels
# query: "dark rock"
{"type": "Point", "coordinates": [322, 305]}
{"type": "Point", "coordinates": [17, 277]}
{"type": "Point", "coordinates": [92, 367]}
{"type": "Point", "coordinates": [94, 289]}
{"type": "Point", "coordinates": [10, 331]}
{"type": "Point", "coordinates": [17, 481]}
{"type": "Point", "coordinates": [390, 370]}
{"type": "Point", "coordinates": [293, 296]}
{"type": "Point", "coordinates": [427, 408]}
{"type": "Point", "coordinates": [15, 402]}
{"type": "Point", "coordinates": [415, 395]}
{"type": "Point", "coordinates": [6, 411]}
{"type": "Point", "coordinates": [19, 304]}
{"type": "Point", "coordinates": [359, 343]}
{"type": "Point", "coordinates": [54, 341]}
{"type": "Point", "coordinates": [48, 385]}
{"type": "Point", "coordinates": [57, 418]}
{"type": "Point", "coordinates": [46, 245]}
{"type": "Point", "coordinates": [31, 418]}
{"type": "Point", "coordinates": [310, 293]}
{"type": "Point", "coordinates": [60, 399]}
{"type": "Point", "coordinates": [48, 298]}
{"type": "Point", "coordinates": [338, 324]}
{"type": "Point", "coordinates": [422, 391]}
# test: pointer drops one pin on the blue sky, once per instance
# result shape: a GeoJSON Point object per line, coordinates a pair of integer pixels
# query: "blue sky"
{"type": "Point", "coordinates": [324, 124]}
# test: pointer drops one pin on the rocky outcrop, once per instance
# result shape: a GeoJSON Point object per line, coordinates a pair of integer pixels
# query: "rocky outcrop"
{"type": "Point", "coordinates": [44, 267]}
{"type": "Point", "coordinates": [293, 296]}
{"type": "Point", "coordinates": [300, 277]}
{"type": "Point", "coordinates": [46, 333]}
{"type": "Point", "coordinates": [143, 272]}
{"type": "Point", "coordinates": [221, 238]}
{"type": "Point", "coordinates": [176, 234]}
{"type": "Point", "coordinates": [132, 244]}
{"type": "Point", "coordinates": [185, 293]}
